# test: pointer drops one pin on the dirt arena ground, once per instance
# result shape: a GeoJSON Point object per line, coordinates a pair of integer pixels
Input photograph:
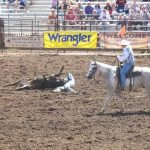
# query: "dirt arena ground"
{"type": "Point", "coordinates": [42, 120]}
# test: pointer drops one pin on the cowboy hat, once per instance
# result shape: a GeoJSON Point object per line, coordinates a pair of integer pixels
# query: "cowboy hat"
{"type": "Point", "coordinates": [124, 42]}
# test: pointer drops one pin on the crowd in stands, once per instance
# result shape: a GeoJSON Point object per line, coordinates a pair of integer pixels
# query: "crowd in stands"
{"type": "Point", "coordinates": [21, 4]}
{"type": "Point", "coordinates": [131, 13]}
{"type": "Point", "coordinates": [121, 12]}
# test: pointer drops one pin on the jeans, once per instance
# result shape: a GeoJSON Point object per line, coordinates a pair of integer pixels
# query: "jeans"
{"type": "Point", "coordinates": [124, 70]}
{"type": "Point", "coordinates": [120, 9]}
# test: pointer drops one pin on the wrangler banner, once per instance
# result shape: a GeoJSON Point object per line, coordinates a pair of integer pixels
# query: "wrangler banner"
{"type": "Point", "coordinates": [70, 39]}
{"type": "Point", "coordinates": [112, 40]}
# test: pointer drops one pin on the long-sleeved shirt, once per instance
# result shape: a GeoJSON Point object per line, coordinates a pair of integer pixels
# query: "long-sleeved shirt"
{"type": "Point", "coordinates": [127, 57]}
{"type": "Point", "coordinates": [88, 10]}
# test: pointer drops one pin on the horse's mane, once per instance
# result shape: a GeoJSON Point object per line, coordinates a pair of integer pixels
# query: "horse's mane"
{"type": "Point", "coordinates": [113, 67]}
{"type": "Point", "coordinates": [106, 65]}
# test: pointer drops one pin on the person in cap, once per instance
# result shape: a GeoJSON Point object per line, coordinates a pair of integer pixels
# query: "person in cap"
{"type": "Point", "coordinates": [127, 59]}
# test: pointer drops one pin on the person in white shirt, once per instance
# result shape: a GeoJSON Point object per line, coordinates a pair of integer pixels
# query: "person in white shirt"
{"type": "Point", "coordinates": [128, 60]}
{"type": "Point", "coordinates": [105, 19]}
{"type": "Point", "coordinates": [68, 86]}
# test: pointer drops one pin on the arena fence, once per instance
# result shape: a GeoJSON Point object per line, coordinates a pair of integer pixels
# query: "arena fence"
{"type": "Point", "coordinates": [2, 41]}
{"type": "Point", "coordinates": [29, 33]}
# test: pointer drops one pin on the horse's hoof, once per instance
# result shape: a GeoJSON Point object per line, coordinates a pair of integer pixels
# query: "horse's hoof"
{"type": "Point", "coordinates": [121, 110]}
{"type": "Point", "coordinates": [100, 113]}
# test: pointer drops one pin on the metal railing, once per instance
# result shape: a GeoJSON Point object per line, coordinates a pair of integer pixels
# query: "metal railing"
{"type": "Point", "coordinates": [37, 26]}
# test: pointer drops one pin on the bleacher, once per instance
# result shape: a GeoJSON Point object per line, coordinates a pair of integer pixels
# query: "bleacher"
{"type": "Point", "coordinates": [36, 16]}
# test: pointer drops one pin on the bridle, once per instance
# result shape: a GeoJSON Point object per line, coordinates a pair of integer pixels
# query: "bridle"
{"type": "Point", "coordinates": [94, 69]}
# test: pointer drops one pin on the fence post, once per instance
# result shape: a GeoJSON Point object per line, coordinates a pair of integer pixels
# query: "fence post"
{"type": "Point", "coordinates": [21, 27]}
{"type": "Point", "coordinates": [8, 23]}
{"type": "Point", "coordinates": [32, 27]}
{"type": "Point", "coordinates": [35, 24]}
{"type": "Point", "coordinates": [2, 41]}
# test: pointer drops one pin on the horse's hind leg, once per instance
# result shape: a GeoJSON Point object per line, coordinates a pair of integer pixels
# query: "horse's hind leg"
{"type": "Point", "coordinates": [106, 101]}
{"type": "Point", "coordinates": [121, 106]}
{"type": "Point", "coordinates": [147, 88]}
{"type": "Point", "coordinates": [148, 93]}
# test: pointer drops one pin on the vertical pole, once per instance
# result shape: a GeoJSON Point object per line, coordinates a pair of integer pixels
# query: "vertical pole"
{"type": "Point", "coordinates": [8, 23]}
{"type": "Point", "coordinates": [57, 22]}
{"type": "Point", "coordinates": [32, 27]}
{"type": "Point", "coordinates": [64, 24]}
{"type": "Point", "coordinates": [57, 17]}
{"type": "Point", "coordinates": [21, 26]}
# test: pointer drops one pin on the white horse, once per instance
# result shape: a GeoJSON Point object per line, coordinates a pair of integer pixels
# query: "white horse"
{"type": "Point", "coordinates": [109, 73]}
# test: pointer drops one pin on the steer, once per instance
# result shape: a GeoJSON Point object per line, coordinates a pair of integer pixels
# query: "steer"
{"type": "Point", "coordinates": [40, 82]}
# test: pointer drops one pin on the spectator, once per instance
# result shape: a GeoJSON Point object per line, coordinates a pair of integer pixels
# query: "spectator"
{"type": "Point", "coordinates": [126, 8]}
{"type": "Point", "coordinates": [120, 4]}
{"type": "Point", "coordinates": [62, 9]}
{"type": "Point", "coordinates": [30, 2]}
{"type": "Point", "coordinates": [98, 9]}
{"type": "Point", "coordinates": [122, 20]}
{"type": "Point", "coordinates": [94, 16]}
{"type": "Point", "coordinates": [88, 9]}
{"type": "Point", "coordinates": [132, 19]}
{"type": "Point", "coordinates": [52, 17]}
{"type": "Point", "coordinates": [55, 3]}
{"type": "Point", "coordinates": [23, 5]}
{"type": "Point", "coordinates": [145, 16]}
{"type": "Point", "coordinates": [12, 2]}
{"type": "Point", "coordinates": [83, 18]}
{"type": "Point", "coordinates": [135, 20]}
{"type": "Point", "coordinates": [135, 6]}
{"type": "Point", "coordinates": [114, 12]}
{"type": "Point", "coordinates": [105, 18]}
{"type": "Point", "coordinates": [63, 5]}
{"type": "Point", "coordinates": [79, 5]}
{"type": "Point", "coordinates": [69, 2]}
{"type": "Point", "coordinates": [71, 16]}
{"type": "Point", "coordinates": [108, 7]}
{"type": "Point", "coordinates": [139, 22]}
{"type": "Point", "coordinates": [76, 9]}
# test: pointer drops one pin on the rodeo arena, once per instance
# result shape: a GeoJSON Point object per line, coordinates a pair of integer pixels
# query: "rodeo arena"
{"type": "Point", "coordinates": [75, 75]}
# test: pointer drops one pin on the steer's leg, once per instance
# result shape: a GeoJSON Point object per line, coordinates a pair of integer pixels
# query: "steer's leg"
{"type": "Point", "coordinates": [72, 90]}
{"type": "Point", "coordinates": [24, 87]}
{"type": "Point", "coordinates": [13, 84]}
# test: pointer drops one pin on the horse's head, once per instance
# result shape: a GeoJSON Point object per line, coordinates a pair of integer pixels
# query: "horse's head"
{"type": "Point", "coordinates": [92, 70]}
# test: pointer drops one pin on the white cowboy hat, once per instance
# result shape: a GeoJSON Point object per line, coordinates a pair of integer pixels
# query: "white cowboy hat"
{"type": "Point", "coordinates": [124, 42]}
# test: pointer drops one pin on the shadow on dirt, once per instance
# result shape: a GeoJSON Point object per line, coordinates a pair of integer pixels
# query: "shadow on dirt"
{"type": "Point", "coordinates": [117, 114]}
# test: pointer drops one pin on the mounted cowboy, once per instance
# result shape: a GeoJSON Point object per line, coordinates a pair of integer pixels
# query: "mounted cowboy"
{"type": "Point", "coordinates": [128, 60]}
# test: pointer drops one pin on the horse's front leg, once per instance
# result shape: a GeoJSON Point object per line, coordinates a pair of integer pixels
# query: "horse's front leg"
{"type": "Point", "coordinates": [106, 101]}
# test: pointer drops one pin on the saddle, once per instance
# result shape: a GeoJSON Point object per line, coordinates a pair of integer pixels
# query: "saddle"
{"type": "Point", "coordinates": [130, 75]}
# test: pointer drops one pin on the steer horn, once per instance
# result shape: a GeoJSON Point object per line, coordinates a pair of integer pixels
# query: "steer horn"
{"type": "Point", "coordinates": [60, 72]}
